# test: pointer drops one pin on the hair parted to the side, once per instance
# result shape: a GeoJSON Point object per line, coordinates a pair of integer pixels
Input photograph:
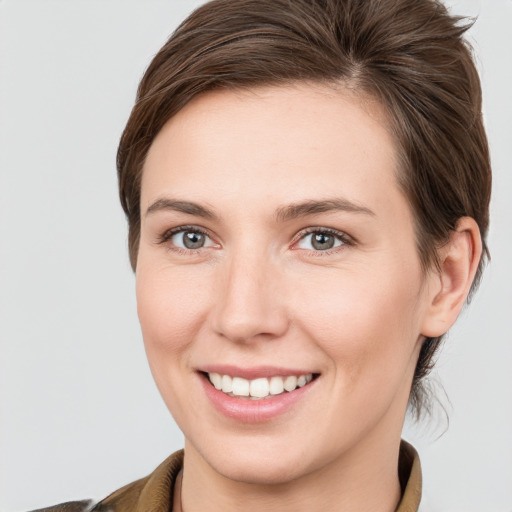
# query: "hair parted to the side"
{"type": "Point", "coordinates": [410, 56]}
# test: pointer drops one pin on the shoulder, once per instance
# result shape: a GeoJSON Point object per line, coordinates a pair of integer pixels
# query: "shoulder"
{"type": "Point", "coordinates": [154, 492]}
{"type": "Point", "coordinates": [409, 474]}
{"type": "Point", "coordinates": [70, 506]}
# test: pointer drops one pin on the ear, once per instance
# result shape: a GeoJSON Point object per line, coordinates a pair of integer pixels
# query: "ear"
{"type": "Point", "coordinates": [449, 287]}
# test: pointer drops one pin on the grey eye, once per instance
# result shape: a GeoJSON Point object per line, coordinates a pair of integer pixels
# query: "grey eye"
{"type": "Point", "coordinates": [190, 239]}
{"type": "Point", "coordinates": [320, 241]}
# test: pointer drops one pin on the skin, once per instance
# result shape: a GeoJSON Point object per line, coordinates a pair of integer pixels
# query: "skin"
{"type": "Point", "coordinates": [259, 293]}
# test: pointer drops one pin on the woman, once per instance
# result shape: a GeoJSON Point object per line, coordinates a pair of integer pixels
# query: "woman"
{"type": "Point", "coordinates": [307, 186]}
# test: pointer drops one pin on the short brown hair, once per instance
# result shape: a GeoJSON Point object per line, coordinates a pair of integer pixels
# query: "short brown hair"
{"type": "Point", "coordinates": [411, 56]}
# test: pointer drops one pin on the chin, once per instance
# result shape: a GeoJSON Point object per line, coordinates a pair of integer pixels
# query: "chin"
{"type": "Point", "coordinates": [261, 469]}
{"type": "Point", "coordinates": [257, 459]}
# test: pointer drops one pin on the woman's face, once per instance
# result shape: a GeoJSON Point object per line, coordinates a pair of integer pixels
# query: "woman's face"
{"type": "Point", "coordinates": [277, 248]}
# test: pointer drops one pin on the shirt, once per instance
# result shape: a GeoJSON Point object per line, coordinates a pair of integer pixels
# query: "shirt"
{"type": "Point", "coordinates": [155, 492]}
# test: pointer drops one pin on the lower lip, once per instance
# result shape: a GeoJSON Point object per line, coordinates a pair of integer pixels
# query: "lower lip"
{"type": "Point", "coordinates": [253, 411]}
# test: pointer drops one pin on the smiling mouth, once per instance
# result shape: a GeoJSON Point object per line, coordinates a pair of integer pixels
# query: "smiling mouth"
{"type": "Point", "coordinates": [260, 388]}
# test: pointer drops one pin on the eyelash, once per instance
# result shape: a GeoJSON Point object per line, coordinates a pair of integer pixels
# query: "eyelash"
{"type": "Point", "coordinates": [345, 239]}
{"type": "Point", "coordinates": [167, 235]}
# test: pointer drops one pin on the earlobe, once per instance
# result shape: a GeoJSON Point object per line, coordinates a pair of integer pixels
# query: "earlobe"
{"type": "Point", "coordinates": [459, 259]}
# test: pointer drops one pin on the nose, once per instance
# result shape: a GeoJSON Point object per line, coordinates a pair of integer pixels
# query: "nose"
{"type": "Point", "coordinates": [250, 300]}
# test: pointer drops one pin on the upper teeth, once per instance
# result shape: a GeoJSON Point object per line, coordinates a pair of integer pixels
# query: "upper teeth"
{"type": "Point", "coordinates": [258, 388]}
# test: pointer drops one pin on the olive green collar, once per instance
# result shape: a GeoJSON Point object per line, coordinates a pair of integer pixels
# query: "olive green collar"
{"type": "Point", "coordinates": [155, 492]}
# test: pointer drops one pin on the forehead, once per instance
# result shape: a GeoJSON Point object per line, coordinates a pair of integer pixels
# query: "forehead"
{"type": "Point", "coordinates": [281, 140]}
{"type": "Point", "coordinates": [310, 106]}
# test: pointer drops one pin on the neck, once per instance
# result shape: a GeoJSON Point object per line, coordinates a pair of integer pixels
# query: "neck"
{"type": "Point", "coordinates": [365, 479]}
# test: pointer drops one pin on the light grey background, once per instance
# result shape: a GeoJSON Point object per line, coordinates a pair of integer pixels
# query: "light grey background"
{"type": "Point", "coordinates": [79, 413]}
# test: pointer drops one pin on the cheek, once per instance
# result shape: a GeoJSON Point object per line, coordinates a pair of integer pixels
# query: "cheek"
{"type": "Point", "coordinates": [367, 323]}
{"type": "Point", "coordinates": [169, 305]}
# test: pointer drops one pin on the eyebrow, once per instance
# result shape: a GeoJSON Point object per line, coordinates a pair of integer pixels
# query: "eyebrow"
{"type": "Point", "coordinates": [282, 214]}
{"type": "Point", "coordinates": [297, 210]}
{"type": "Point", "coordinates": [182, 207]}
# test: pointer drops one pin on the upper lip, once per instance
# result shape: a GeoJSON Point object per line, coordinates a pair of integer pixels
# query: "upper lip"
{"type": "Point", "coordinates": [254, 372]}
